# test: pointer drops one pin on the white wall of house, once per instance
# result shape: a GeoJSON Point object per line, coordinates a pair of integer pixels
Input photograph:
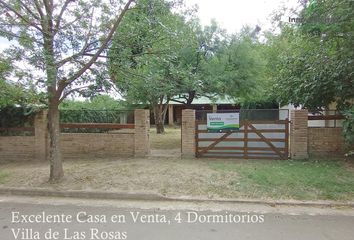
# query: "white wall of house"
{"type": "Point", "coordinates": [316, 123]}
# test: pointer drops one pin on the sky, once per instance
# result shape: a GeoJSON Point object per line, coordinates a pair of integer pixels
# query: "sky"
{"type": "Point", "coordinates": [3, 43]}
{"type": "Point", "coordinates": [233, 14]}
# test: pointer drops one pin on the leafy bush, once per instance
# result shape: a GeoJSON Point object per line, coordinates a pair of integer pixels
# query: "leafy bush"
{"type": "Point", "coordinates": [99, 109]}
{"type": "Point", "coordinates": [17, 117]}
{"type": "Point", "coordinates": [96, 116]}
{"type": "Point", "coordinates": [265, 103]}
{"type": "Point", "coordinates": [348, 129]}
{"type": "Point", "coordinates": [101, 102]}
{"type": "Point", "coordinates": [265, 108]}
{"type": "Point", "coordinates": [11, 116]}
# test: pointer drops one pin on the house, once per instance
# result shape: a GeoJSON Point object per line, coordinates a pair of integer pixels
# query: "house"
{"type": "Point", "coordinates": [174, 112]}
{"type": "Point", "coordinates": [331, 117]}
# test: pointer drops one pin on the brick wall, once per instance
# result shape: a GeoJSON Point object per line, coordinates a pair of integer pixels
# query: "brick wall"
{"type": "Point", "coordinates": [73, 145]}
{"type": "Point", "coordinates": [325, 141]}
{"type": "Point", "coordinates": [17, 148]}
{"type": "Point", "coordinates": [127, 142]}
{"type": "Point", "coordinates": [26, 148]}
{"type": "Point", "coordinates": [313, 141]}
{"type": "Point", "coordinates": [78, 145]}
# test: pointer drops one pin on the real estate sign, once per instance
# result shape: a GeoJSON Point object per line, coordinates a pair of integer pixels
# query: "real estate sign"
{"type": "Point", "coordinates": [219, 122]}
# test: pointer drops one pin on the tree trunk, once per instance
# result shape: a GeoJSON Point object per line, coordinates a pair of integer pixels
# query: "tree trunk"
{"type": "Point", "coordinates": [191, 96]}
{"type": "Point", "coordinates": [160, 128]}
{"type": "Point", "coordinates": [160, 115]}
{"type": "Point", "coordinates": [56, 165]}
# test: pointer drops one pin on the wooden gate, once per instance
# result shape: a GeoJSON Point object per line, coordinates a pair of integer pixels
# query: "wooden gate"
{"type": "Point", "coordinates": [254, 140]}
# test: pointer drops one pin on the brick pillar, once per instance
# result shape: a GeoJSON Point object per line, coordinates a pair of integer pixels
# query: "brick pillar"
{"type": "Point", "coordinates": [188, 133]}
{"type": "Point", "coordinates": [298, 134]}
{"type": "Point", "coordinates": [142, 128]}
{"type": "Point", "coordinates": [41, 136]}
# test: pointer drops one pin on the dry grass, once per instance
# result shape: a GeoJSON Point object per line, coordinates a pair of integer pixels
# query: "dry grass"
{"type": "Point", "coordinates": [172, 176]}
{"type": "Point", "coordinates": [167, 176]}
{"type": "Point", "coordinates": [171, 139]}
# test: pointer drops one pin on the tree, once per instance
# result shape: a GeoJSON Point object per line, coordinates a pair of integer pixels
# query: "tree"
{"type": "Point", "coordinates": [236, 68]}
{"type": "Point", "coordinates": [149, 65]}
{"type": "Point", "coordinates": [208, 41]}
{"type": "Point", "coordinates": [12, 93]}
{"type": "Point", "coordinates": [315, 66]}
{"type": "Point", "coordinates": [7, 91]}
{"type": "Point", "coordinates": [173, 59]}
{"type": "Point", "coordinates": [62, 41]}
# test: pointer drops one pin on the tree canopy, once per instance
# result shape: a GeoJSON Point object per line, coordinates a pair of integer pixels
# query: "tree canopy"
{"type": "Point", "coordinates": [152, 64]}
{"type": "Point", "coordinates": [237, 68]}
{"type": "Point", "coordinates": [170, 57]}
{"type": "Point", "coordinates": [14, 93]}
{"type": "Point", "coordinates": [315, 64]}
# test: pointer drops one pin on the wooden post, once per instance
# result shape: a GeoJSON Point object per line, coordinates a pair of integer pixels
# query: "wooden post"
{"type": "Point", "coordinates": [196, 139]}
{"type": "Point", "coordinates": [246, 139]}
{"type": "Point", "coordinates": [170, 115]}
{"type": "Point", "coordinates": [215, 108]}
{"type": "Point", "coordinates": [287, 138]}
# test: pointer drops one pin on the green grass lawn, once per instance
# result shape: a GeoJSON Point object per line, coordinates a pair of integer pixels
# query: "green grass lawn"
{"type": "Point", "coordinates": [313, 180]}
{"type": "Point", "coordinates": [3, 176]}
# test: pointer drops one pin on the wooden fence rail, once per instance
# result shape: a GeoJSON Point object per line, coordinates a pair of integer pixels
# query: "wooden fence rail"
{"type": "Point", "coordinates": [97, 125]}
{"type": "Point", "coordinates": [326, 117]}
{"type": "Point", "coordinates": [18, 129]}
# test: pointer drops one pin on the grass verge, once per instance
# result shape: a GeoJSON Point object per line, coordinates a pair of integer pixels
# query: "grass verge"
{"type": "Point", "coordinates": [207, 178]}
{"type": "Point", "coordinates": [3, 176]}
{"type": "Point", "coordinates": [303, 180]}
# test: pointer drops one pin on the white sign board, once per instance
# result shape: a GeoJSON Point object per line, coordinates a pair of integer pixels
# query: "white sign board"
{"type": "Point", "coordinates": [219, 122]}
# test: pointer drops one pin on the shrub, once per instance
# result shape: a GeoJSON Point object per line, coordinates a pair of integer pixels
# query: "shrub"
{"type": "Point", "coordinates": [348, 129]}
